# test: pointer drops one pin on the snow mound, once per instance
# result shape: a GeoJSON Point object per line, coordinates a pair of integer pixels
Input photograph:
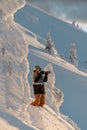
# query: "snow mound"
{"type": "Point", "coordinates": [54, 95]}
{"type": "Point", "coordinates": [45, 118]}
{"type": "Point", "coordinates": [14, 66]}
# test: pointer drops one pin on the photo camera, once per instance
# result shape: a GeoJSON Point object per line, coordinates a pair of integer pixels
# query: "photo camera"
{"type": "Point", "coordinates": [45, 72]}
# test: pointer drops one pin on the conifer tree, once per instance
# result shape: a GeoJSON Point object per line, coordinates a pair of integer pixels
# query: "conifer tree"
{"type": "Point", "coordinates": [49, 43]}
{"type": "Point", "coordinates": [73, 55]}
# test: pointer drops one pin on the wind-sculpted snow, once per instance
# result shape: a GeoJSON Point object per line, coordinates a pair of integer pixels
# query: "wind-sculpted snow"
{"type": "Point", "coordinates": [54, 95]}
{"type": "Point", "coordinates": [14, 68]}
{"type": "Point", "coordinates": [8, 7]}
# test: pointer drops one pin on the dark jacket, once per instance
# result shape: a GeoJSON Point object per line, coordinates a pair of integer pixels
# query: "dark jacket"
{"type": "Point", "coordinates": [38, 82]}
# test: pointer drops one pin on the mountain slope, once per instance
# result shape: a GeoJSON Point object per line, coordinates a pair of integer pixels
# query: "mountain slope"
{"type": "Point", "coordinates": [73, 86]}
{"type": "Point", "coordinates": [63, 34]}
{"type": "Point", "coordinates": [16, 113]}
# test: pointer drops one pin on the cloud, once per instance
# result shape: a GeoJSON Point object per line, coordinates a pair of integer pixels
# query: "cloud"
{"type": "Point", "coordinates": [67, 9]}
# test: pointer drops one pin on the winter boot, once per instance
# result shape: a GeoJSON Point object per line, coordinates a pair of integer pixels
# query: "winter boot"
{"type": "Point", "coordinates": [42, 100]}
{"type": "Point", "coordinates": [37, 100]}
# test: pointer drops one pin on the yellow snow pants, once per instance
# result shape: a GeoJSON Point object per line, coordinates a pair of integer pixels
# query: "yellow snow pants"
{"type": "Point", "coordinates": [39, 100]}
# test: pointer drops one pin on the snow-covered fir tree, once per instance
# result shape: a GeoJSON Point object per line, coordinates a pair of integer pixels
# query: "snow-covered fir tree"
{"type": "Point", "coordinates": [73, 23]}
{"type": "Point", "coordinates": [49, 43]}
{"type": "Point", "coordinates": [73, 55]}
{"type": "Point", "coordinates": [50, 47]}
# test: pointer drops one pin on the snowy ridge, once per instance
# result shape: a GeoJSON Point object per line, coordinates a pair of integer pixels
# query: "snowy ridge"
{"type": "Point", "coordinates": [42, 10]}
{"type": "Point", "coordinates": [42, 120]}
{"type": "Point", "coordinates": [58, 61]}
{"type": "Point", "coordinates": [33, 41]}
{"type": "Point", "coordinates": [30, 33]}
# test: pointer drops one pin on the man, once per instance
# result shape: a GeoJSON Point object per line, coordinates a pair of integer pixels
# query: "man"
{"type": "Point", "coordinates": [38, 78]}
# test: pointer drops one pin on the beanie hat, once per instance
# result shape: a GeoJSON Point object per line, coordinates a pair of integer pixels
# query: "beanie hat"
{"type": "Point", "coordinates": [38, 67]}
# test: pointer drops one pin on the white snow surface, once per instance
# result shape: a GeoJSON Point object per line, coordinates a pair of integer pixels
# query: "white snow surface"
{"type": "Point", "coordinates": [16, 113]}
{"type": "Point", "coordinates": [4, 125]}
{"type": "Point", "coordinates": [58, 61]}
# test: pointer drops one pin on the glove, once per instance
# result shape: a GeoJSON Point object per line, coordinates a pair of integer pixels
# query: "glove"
{"type": "Point", "coordinates": [47, 72]}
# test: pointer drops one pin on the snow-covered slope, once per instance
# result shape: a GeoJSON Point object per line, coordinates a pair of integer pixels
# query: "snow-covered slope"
{"type": "Point", "coordinates": [10, 122]}
{"type": "Point", "coordinates": [16, 113]}
{"type": "Point", "coordinates": [63, 34]}
{"type": "Point", "coordinates": [57, 60]}
{"type": "Point", "coordinates": [74, 86]}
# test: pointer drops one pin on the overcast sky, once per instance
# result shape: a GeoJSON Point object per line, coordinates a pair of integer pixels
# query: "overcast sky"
{"type": "Point", "coordinates": [67, 9]}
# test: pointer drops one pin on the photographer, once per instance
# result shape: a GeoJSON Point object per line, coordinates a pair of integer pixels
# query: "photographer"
{"type": "Point", "coordinates": [38, 79]}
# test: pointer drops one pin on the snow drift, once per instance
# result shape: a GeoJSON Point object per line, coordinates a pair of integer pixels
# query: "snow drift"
{"type": "Point", "coordinates": [14, 66]}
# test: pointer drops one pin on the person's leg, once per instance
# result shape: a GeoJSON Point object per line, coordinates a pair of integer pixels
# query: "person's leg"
{"type": "Point", "coordinates": [37, 100]}
{"type": "Point", "coordinates": [42, 100]}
